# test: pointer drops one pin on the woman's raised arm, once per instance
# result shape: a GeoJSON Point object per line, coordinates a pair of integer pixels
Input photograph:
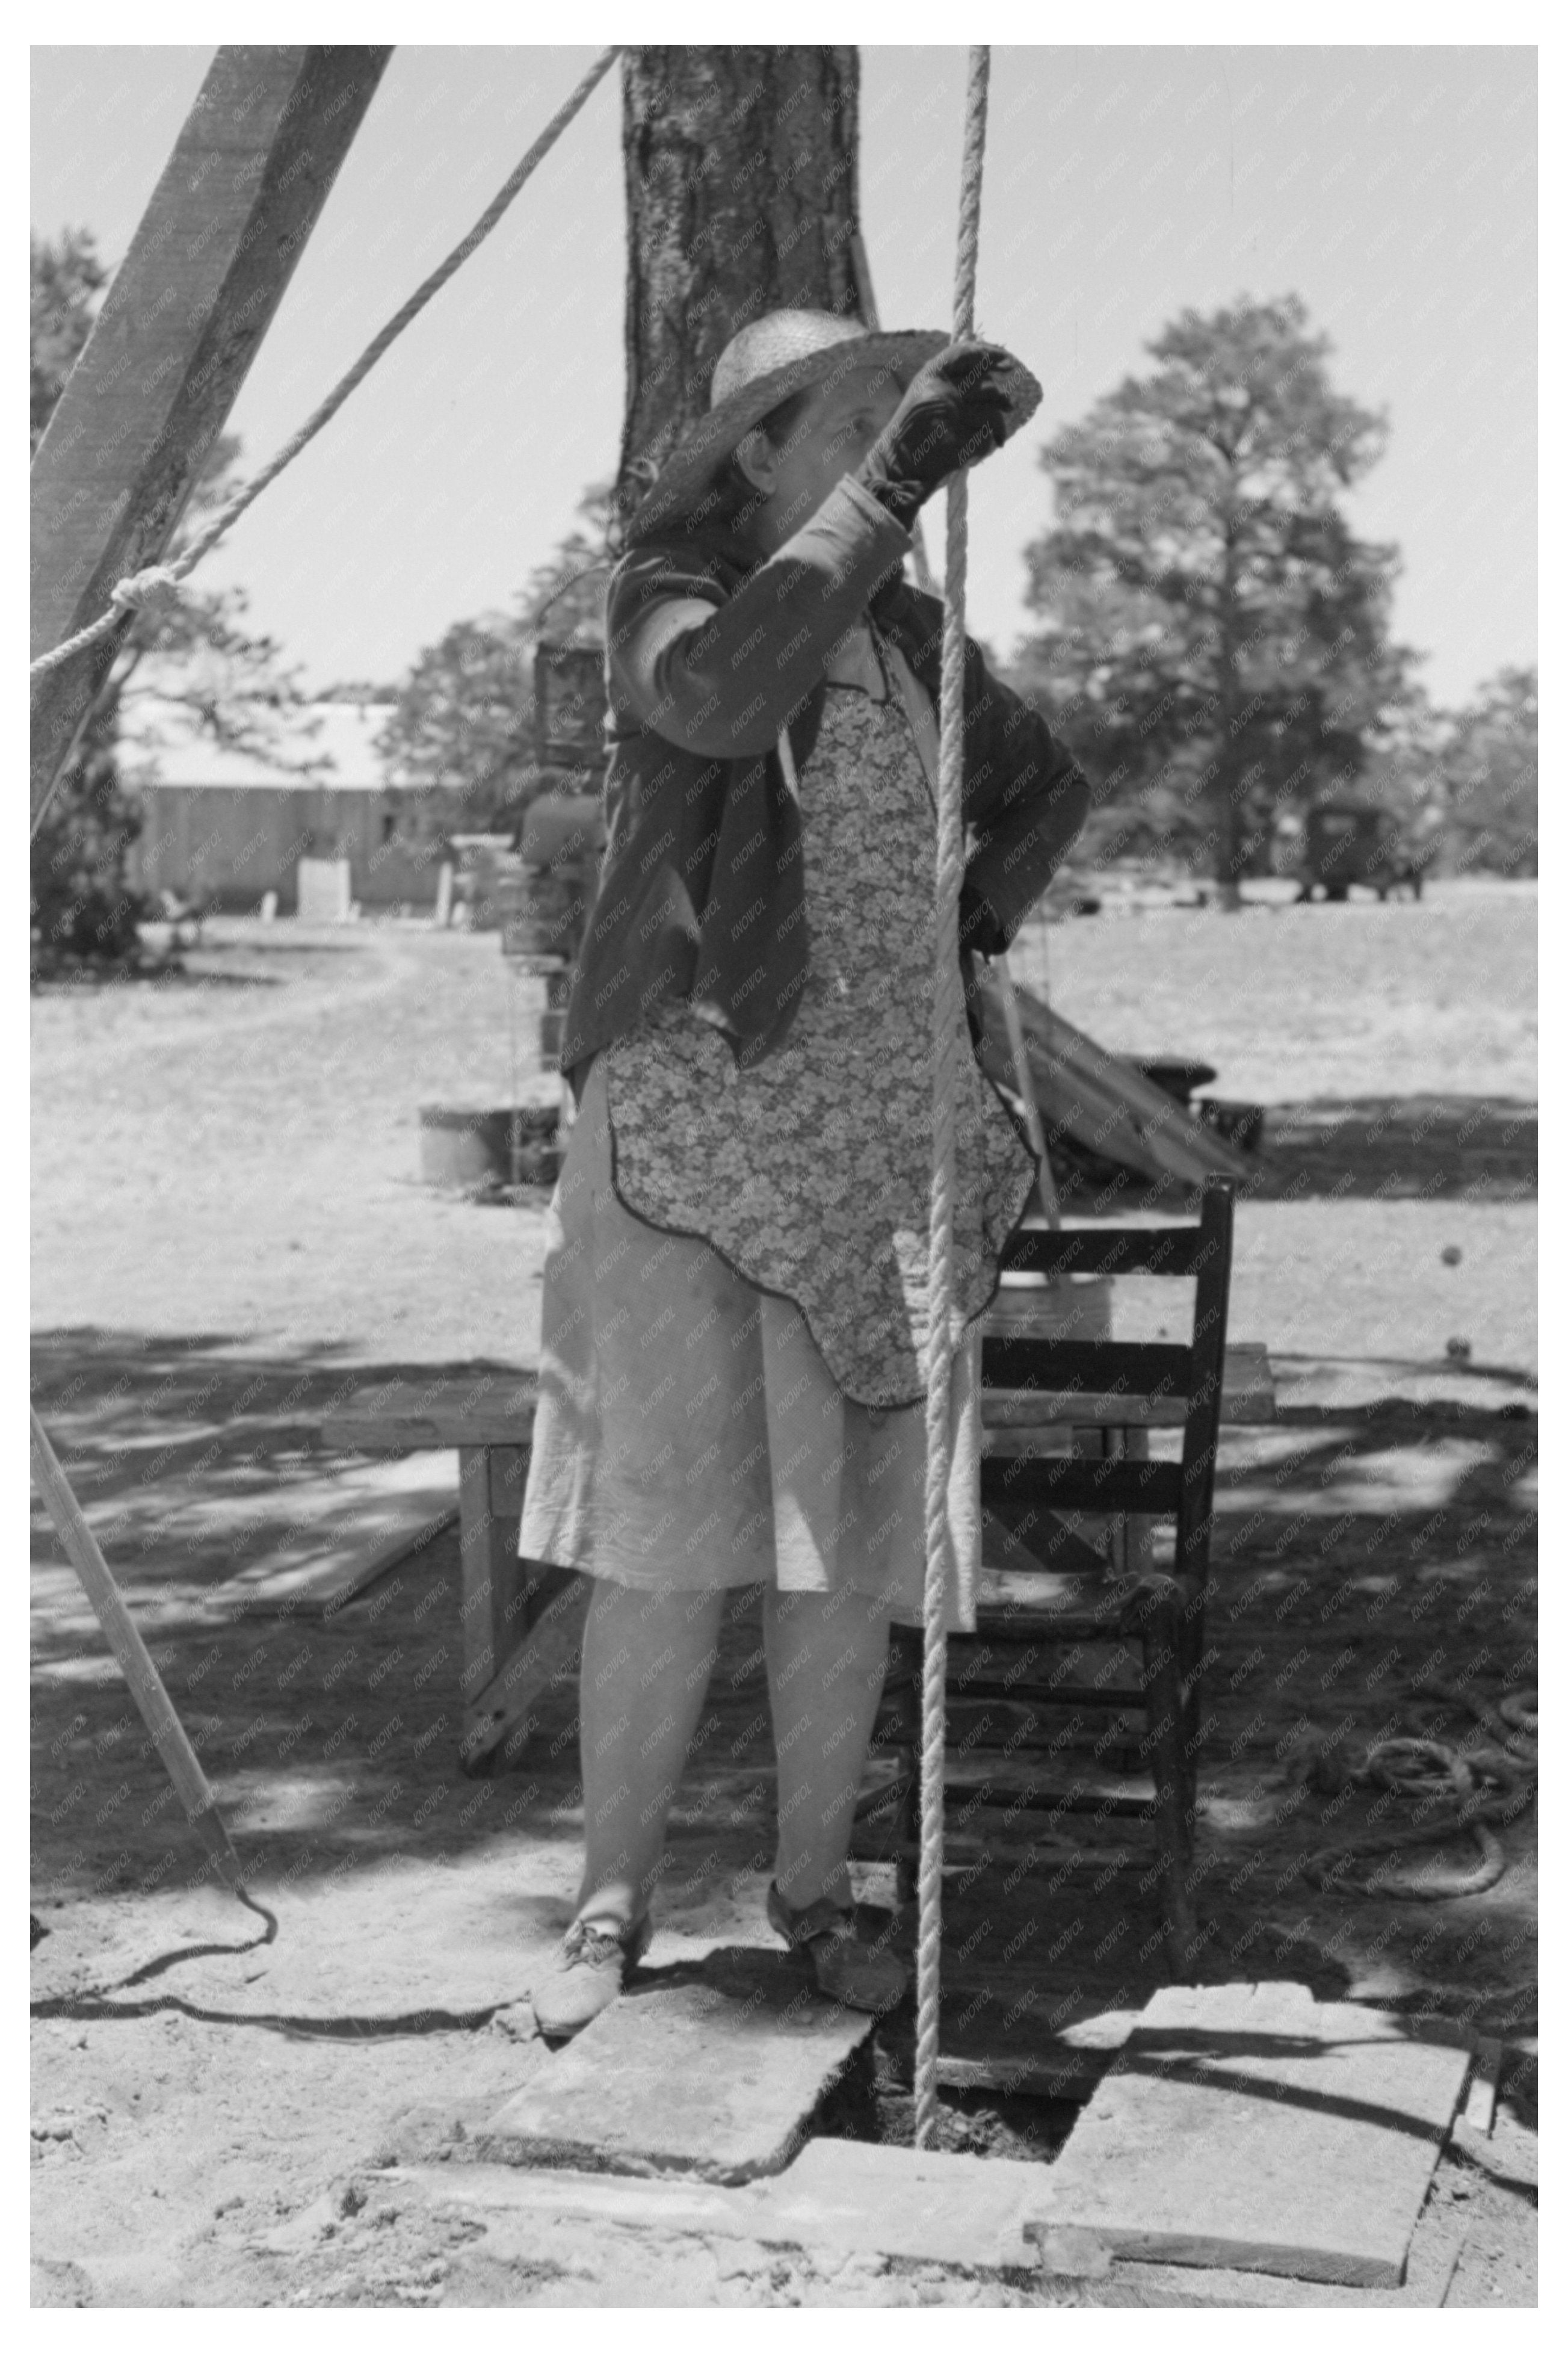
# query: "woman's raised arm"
{"type": "Point", "coordinates": [720, 675]}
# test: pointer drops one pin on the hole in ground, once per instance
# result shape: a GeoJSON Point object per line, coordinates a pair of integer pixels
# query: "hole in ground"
{"type": "Point", "coordinates": [873, 2100]}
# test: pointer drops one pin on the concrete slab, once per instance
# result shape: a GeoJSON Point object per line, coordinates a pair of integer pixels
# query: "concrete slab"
{"type": "Point", "coordinates": [1251, 2128]}
{"type": "Point", "coordinates": [716, 2079]}
{"type": "Point", "coordinates": [534, 2218]}
{"type": "Point", "coordinates": [838, 2198]}
{"type": "Point", "coordinates": [671, 2205]}
{"type": "Point", "coordinates": [863, 2198]}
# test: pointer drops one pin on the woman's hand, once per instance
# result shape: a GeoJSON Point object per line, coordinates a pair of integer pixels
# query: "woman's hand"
{"type": "Point", "coordinates": [953, 413]}
{"type": "Point", "coordinates": [980, 927]}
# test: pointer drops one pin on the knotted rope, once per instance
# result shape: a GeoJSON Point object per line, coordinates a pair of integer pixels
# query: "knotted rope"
{"type": "Point", "coordinates": [942, 1337]}
{"type": "Point", "coordinates": [166, 579]}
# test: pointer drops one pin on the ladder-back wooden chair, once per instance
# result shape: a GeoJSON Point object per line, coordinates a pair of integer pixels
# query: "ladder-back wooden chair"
{"type": "Point", "coordinates": [1007, 1683]}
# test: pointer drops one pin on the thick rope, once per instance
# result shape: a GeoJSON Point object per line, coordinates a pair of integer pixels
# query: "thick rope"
{"type": "Point", "coordinates": [166, 579]}
{"type": "Point", "coordinates": [941, 1335]}
{"type": "Point", "coordinates": [1440, 1774]}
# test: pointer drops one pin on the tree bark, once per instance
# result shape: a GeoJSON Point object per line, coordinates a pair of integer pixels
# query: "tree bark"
{"type": "Point", "coordinates": [742, 197]}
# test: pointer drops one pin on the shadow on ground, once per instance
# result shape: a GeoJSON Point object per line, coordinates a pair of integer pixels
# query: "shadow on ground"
{"type": "Point", "coordinates": [1367, 1561]}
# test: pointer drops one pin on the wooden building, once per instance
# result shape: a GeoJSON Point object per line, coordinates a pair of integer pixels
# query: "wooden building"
{"type": "Point", "coordinates": [226, 827]}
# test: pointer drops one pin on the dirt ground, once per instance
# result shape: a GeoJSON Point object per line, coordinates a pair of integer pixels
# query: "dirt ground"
{"type": "Point", "coordinates": [229, 1220]}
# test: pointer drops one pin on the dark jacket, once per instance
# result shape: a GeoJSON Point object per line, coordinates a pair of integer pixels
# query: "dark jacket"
{"type": "Point", "coordinates": [700, 893]}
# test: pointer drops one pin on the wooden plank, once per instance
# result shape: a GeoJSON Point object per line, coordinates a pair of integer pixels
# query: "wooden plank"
{"type": "Point", "coordinates": [1035, 1309]}
{"type": "Point", "coordinates": [322, 1588]}
{"type": "Point", "coordinates": [1480, 2106]}
{"type": "Point", "coordinates": [182, 321]}
{"type": "Point", "coordinates": [1246, 1395]}
{"type": "Point", "coordinates": [1049, 2075]}
{"type": "Point", "coordinates": [1131, 1537]}
{"type": "Point", "coordinates": [499, 1720]}
{"type": "Point", "coordinates": [1070, 1484]}
{"type": "Point", "coordinates": [1099, 1249]}
{"type": "Point", "coordinates": [342, 1514]}
{"type": "Point", "coordinates": [1128, 1368]}
{"type": "Point", "coordinates": [1200, 1443]}
{"type": "Point", "coordinates": [494, 1580]}
{"type": "Point", "coordinates": [463, 1410]}
{"type": "Point", "coordinates": [1307, 2135]}
{"type": "Point", "coordinates": [1097, 1098]}
{"type": "Point", "coordinates": [1247, 1383]}
{"type": "Point", "coordinates": [1030, 1437]}
{"type": "Point", "coordinates": [509, 1477]}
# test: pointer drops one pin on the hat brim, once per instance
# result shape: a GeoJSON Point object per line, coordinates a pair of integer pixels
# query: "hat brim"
{"type": "Point", "coordinates": [698, 456]}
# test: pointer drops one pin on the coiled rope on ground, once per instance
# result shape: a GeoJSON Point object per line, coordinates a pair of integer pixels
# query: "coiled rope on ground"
{"type": "Point", "coordinates": [1456, 1786]}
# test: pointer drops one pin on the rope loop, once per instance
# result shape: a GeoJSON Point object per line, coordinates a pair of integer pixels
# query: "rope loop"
{"type": "Point", "coordinates": [156, 589]}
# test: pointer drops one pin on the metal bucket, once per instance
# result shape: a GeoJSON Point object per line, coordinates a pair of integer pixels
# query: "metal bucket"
{"type": "Point", "coordinates": [460, 1148]}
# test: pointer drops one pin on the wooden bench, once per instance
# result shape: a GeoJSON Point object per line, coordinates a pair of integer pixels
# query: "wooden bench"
{"type": "Point", "coordinates": [522, 1621]}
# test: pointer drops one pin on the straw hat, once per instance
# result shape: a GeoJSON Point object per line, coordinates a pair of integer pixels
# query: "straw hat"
{"type": "Point", "coordinates": [767, 362]}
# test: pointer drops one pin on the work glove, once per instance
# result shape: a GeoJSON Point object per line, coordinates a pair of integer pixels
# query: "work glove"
{"type": "Point", "coordinates": [980, 927]}
{"type": "Point", "coordinates": [954, 413]}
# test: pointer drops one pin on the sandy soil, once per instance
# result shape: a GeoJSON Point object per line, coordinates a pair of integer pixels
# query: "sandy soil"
{"type": "Point", "coordinates": [212, 2118]}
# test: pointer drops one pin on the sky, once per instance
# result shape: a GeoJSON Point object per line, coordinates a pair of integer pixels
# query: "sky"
{"type": "Point", "coordinates": [1392, 189]}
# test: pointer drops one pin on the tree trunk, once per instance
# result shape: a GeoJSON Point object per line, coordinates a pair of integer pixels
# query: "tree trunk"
{"type": "Point", "coordinates": [1227, 816]}
{"type": "Point", "coordinates": [742, 197]}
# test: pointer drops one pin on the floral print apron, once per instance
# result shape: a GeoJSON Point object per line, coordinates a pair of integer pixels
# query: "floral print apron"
{"type": "Point", "coordinates": [809, 1172]}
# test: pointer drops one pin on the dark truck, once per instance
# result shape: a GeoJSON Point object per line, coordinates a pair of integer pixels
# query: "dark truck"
{"type": "Point", "coordinates": [1355, 842]}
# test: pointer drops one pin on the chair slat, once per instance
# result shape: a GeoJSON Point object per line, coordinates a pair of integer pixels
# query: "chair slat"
{"type": "Point", "coordinates": [1117, 1249]}
{"type": "Point", "coordinates": [1132, 1367]}
{"type": "Point", "coordinates": [1068, 1483]}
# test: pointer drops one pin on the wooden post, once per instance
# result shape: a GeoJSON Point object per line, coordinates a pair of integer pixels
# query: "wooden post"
{"type": "Point", "coordinates": [180, 326]}
{"type": "Point", "coordinates": [495, 1581]}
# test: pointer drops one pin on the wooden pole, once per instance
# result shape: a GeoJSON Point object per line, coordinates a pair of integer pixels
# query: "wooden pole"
{"type": "Point", "coordinates": [134, 1660]}
{"type": "Point", "coordinates": [180, 326]}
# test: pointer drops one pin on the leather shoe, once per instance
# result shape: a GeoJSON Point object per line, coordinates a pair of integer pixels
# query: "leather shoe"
{"type": "Point", "coordinates": [588, 1973]}
{"type": "Point", "coordinates": [848, 1970]}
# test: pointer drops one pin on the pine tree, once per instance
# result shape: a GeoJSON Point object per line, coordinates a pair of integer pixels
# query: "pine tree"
{"type": "Point", "coordinates": [1215, 637]}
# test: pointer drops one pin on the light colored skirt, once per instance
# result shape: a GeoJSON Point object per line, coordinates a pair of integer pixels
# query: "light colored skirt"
{"type": "Point", "coordinates": [690, 1436]}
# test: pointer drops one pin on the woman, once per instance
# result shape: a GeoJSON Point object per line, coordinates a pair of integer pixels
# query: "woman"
{"type": "Point", "coordinates": [732, 1382]}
